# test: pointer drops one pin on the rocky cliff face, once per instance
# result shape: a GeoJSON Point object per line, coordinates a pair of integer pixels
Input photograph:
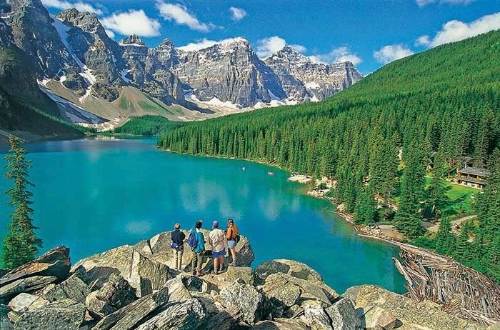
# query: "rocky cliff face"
{"type": "Point", "coordinates": [230, 72]}
{"type": "Point", "coordinates": [134, 287]}
{"type": "Point", "coordinates": [304, 79]}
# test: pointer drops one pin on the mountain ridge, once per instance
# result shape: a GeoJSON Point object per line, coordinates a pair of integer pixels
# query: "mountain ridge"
{"type": "Point", "coordinates": [73, 54]}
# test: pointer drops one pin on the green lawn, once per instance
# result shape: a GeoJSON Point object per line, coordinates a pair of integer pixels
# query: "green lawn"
{"type": "Point", "coordinates": [461, 198]}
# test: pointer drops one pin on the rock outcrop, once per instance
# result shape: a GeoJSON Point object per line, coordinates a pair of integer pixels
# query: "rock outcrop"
{"type": "Point", "coordinates": [133, 287]}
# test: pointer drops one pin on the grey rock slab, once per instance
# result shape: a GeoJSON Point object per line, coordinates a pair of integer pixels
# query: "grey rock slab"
{"type": "Point", "coordinates": [59, 315]}
{"type": "Point", "coordinates": [132, 314]}
{"type": "Point", "coordinates": [25, 285]}
{"type": "Point", "coordinates": [55, 262]}
{"type": "Point", "coordinates": [243, 298]}
{"type": "Point", "coordinates": [343, 315]}
{"type": "Point", "coordinates": [176, 316]}
{"type": "Point", "coordinates": [114, 294]}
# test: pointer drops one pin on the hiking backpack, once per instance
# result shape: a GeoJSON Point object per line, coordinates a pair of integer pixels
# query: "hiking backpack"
{"type": "Point", "coordinates": [192, 241]}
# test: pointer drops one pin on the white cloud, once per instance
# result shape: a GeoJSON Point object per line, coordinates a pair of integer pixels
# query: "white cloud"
{"type": "Point", "coordinates": [422, 3]}
{"type": "Point", "coordinates": [456, 30]}
{"type": "Point", "coordinates": [299, 48]}
{"type": "Point", "coordinates": [422, 41]}
{"type": "Point", "coordinates": [237, 13]}
{"type": "Point", "coordinates": [201, 44]}
{"type": "Point", "coordinates": [269, 46]}
{"type": "Point", "coordinates": [340, 54]}
{"type": "Point", "coordinates": [80, 6]}
{"type": "Point", "coordinates": [391, 53]}
{"type": "Point", "coordinates": [180, 15]}
{"type": "Point", "coordinates": [132, 22]}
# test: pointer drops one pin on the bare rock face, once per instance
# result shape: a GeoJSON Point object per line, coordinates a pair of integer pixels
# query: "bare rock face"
{"type": "Point", "coordinates": [244, 300]}
{"type": "Point", "coordinates": [229, 71]}
{"type": "Point", "coordinates": [379, 307]}
{"type": "Point", "coordinates": [143, 273]}
{"type": "Point", "coordinates": [33, 32]}
{"type": "Point", "coordinates": [114, 294]}
{"type": "Point", "coordinates": [343, 315]}
{"type": "Point", "coordinates": [72, 288]}
{"type": "Point", "coordinates": [53, 263]}
{"type": "Point", "coordinates": [60, 315]}
{"type": "Point", "coordinates": [304, 79]}
{"type": "Point", "coordinates": [290, 267]}
{"type": "Point", "coordinates": [131, 315]}
{"type": "Point", "coordinates": [185, 315]}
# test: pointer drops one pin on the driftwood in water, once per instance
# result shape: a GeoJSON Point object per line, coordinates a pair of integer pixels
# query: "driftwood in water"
{"type": "Point", "coordinates": [461, 290]}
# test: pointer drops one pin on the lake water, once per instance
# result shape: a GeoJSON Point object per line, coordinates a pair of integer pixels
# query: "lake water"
{"type": "Point", "coordinates": [93, 195]}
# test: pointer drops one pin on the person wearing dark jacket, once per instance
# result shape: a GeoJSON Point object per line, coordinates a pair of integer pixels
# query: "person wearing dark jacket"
{"type": "Point", "coordinates": [177, 245]}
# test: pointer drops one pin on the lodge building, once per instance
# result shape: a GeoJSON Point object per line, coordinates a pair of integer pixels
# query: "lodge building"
{"type": "Point", "coordinates": [471, 176]}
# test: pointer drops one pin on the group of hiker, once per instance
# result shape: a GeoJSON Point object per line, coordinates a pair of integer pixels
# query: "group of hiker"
{"type": "Point", "coordinates": [223, 243]}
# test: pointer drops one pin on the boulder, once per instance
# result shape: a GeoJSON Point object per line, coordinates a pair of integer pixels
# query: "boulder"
{"type": "Point", "coordinates": [72, 288]}
{"type": "Point", "coordinates": [307, 289]}
{"type": "Point", "coordinates": [95, 270]}
{"type": "Point", "coordinates": [144, 273]}
{"type": "Point", "coordinates": [184, 315]}
{"type": "Point", "coordinates": [343, 315]}
{"type": "Point", "coordinates": [243, 299]}
{"type": "Point", "coordinates": [54, 263]}
{"type": "Point", "coordinates": [25, 285]}
{"type": "Point", "coordinates": [290, 267]}
{"type": "Point", "coordinates": [378, 318]}
{"type": "Point", "coordinates": [244, 274]}
{"type": "Point", "coordinates": [281, 324]}
{"type": "Point", "coordinates": [315, 316]}
{"type": "Point", "coordinates": [63, 314]}
{"type": "Point", "coordinates": [216, 316]}
{"type": "Point", "coordinates": [177, 291]}
{"type": "Point", "coordinates": [113, 295]}
{"type": "Point", "coordinates": [371, 302]}
{"type": "Point", "coordinates": [25, 301]}
{"type": "Point", "coordinates": [147, 275]}
{"type": "Point", "coordinates": [281, 294]}
{"type": "Point", "coordinates": [133, 314]}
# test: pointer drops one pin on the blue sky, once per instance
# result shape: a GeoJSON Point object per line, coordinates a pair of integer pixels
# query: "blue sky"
{"type": "Point", "coordinates": [367, 32]}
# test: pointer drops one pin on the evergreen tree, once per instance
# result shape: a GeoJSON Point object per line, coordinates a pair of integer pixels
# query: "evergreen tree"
{"type": "Point", "coordinates": [488, 209]}
{"type": "Point", "coordinates": [21, 243]}
{"type": "Point", "coordinates": [445, 240]}
{"type": "Point", "coordinates": [365, 208]}
{"type": "Point", "coordinates": [436, 195]}
{"type": "Point", "coordinates": [463, 247]}
{"type": "Point", "coordinates": [409, 218]}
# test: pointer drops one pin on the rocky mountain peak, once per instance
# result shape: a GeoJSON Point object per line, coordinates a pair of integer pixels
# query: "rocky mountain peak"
{"type": "Point", "coordinates": [88, 22]}
{"type": "Point", "coordinates": [290, 54]}
{"type": "Point", "coordinates": [133, 40]}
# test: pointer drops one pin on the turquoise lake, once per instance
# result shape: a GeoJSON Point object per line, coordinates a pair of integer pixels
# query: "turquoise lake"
{"type": "Point", "coordinates": [93, 195]}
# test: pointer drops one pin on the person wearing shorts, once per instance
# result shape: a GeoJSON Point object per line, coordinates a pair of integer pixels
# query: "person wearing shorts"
{"type": "Point", "coordinates": [219, 245]}
{"type": "Point", "coordinates": [232, 235]}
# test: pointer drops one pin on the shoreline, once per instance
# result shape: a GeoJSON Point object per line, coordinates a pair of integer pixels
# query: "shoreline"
{"type": "Point", "coordinates": [375, 233]}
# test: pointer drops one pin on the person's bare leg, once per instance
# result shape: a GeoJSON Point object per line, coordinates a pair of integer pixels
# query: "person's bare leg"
{"type": "Point", "coordinates": [233, 255]}
{"type": "Point", "coordinates": [216, 265]}
{"type": "Point", "coordinates": [221, 263]}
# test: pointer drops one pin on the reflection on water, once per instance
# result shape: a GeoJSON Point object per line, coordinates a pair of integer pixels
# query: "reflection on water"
{"type": "Point", "coordinates": [94, 195]}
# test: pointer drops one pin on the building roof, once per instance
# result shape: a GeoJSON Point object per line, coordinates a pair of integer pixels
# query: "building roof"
{"type": "Point", "coordinates": [474, 171]}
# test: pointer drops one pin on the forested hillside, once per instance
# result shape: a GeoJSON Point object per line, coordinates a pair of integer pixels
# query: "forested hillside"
{"type": "Point", "coordinates": [435, 107]}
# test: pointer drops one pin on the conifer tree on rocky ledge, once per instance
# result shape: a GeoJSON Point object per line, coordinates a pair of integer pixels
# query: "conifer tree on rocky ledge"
{"type": "Point", "coordinates": [20, 244]}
